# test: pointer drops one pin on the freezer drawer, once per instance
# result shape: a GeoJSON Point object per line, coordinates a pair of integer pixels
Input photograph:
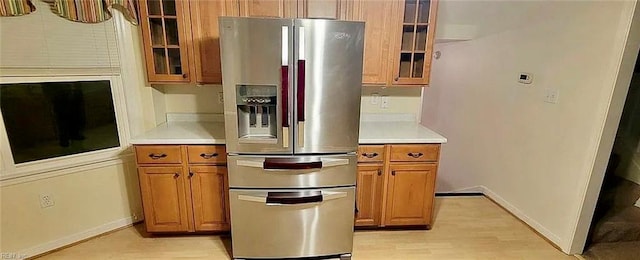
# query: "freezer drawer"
{"type": "Point", "coordinates": [291, 171]}
{"type": "Point", "coordinates": [292, 223]}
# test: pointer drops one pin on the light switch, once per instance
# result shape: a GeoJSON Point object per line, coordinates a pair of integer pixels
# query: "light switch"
{"type": "Point", "coordinates": [552, 95]}
{"type": "Point", "coordinates": [375, 99]}
{"type": "Point", "coordinates": [384, 102]}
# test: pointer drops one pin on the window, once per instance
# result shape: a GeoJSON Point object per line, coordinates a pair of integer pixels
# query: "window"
{"type": "Point", "coordinates": [54, 123]}
{"type": "Point", "coordinates": [63, 118]}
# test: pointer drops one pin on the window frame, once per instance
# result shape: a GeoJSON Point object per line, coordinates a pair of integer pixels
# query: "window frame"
{"type": "Point", "coordinates": [10, 170]}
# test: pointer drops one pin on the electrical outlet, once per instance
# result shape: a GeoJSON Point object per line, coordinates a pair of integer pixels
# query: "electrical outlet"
{"type": "Point", "coordinates": [384, 102]}
{"type": "Point", "coordinates": [46, 200]}
{"type": "Point", "coordinates": [552, 95]}
{"type": "Point", "coordinates": [220, 98]}
{"type": "Point", "coordinates": [375, 99]}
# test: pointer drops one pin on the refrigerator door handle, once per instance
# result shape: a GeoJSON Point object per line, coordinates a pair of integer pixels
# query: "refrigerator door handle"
{"type": "Point", "coordinates": [284, 80]}
{"type": "Point", "coordinates": [301, 86]}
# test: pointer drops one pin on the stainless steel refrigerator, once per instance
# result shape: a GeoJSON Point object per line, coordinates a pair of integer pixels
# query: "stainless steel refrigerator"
{"type": "Point", "coordinates": [292, 92]}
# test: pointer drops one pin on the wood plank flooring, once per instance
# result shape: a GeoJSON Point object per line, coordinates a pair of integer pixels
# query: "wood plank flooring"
{"type": "Point", "coordinates": [465, 228]}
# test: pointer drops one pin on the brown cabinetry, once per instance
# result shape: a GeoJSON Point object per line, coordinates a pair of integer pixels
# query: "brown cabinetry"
{"type": "Point", "coordinates": [396, 184]}
{"type": "Point", "coordinates": [331, 9]}
{"type": "Point", "coordinates": [181, 40]}
{"type": "Point", "coordinates": [399, 36]}
{"type": "Point", "coordinates": [184, 187]}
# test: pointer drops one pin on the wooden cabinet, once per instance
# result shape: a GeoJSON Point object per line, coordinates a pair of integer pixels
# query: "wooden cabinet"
{"type": "Point", "coordinates": [413, 46]}
{"type": "Point", "coordinates": [330, 9]}
{"type": "Point", "coordinates": [410, 194]}
{"type": "Point", "coordinates": [181, 40]}
{"type": "Point", "coordinates": [369, 195]}
{"type": "Point", "coordinates": [164, 195]}
{"type": "Point", "coordinates": [184, 187]}
{"type": "Point", "coordinates": [399, 36]}
{"type": "Point", "coordinates": [267, 8]}
{"type": "Point", "coordinates": [165, 31]}
{"type": "Point", "coordinates": [396, 185]}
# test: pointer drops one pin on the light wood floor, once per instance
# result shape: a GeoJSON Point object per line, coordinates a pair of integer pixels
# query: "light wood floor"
{"type": "Point", "coordinates": [465, 228]}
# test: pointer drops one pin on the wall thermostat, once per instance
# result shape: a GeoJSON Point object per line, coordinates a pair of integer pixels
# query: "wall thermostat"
{"type": "Point", "coordinates": [525, 78]}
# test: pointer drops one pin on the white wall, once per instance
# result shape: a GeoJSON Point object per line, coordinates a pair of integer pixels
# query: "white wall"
{"type": "Point", "coordinates": [534, 158]}
{"type": "Point", "coordinates": [203, 99]}
{"type": "Point", "coordinates": [89, 200]}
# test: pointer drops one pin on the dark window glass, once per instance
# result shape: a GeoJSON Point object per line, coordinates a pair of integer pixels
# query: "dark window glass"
{"type": "Point", "coordinates": [47, 120]}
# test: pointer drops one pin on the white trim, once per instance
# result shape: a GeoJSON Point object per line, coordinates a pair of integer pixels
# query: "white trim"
{"type": "Point", "coordinates": [73, 238]}
{"type": "Point", "coordinates": [522, 216]}
{"type": "Point", "coordinates": [10, 170]}
{"type": "Point", "coordinates": [9, 181]}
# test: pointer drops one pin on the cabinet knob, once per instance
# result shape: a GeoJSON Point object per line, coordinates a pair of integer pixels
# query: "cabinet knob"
{"type": "Point", "coordinates": [176, 175]}
{"type": "Point", "coordinates": [184, 76]}
{"type": "Point", "coordinates": [393, 173]}
{"type": "Point", "coordinates": [379, 172]}
{"type": "Point", "coordinates": [190, 174]}
{"type": "Point", "coordinates": [396, 79]}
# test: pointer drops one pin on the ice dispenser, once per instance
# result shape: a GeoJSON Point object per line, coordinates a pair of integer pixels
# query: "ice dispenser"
{"type": "Point", "coordinates": [257, 115]}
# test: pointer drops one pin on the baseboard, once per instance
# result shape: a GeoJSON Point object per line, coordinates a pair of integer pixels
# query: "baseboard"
{"type": "Point", "coordinates": [65, 241]}
{"type": "Point", "coordinates": [474, 189]}
{"type": "Point", "coordinates": [551, 237]}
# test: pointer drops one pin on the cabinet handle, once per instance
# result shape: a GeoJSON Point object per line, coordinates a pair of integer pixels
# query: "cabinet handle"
{"type": "Point", "coordinates": [190, 174]}
{"type": "Point", "coordinates": [379, 172]}
{"type": "Point", "coordinates": [369, 155]}
{"type": "Point", "coordinates": [176, 175]}
{"type": "Point", "coordinates": [208, 156]}
{"type": "Point", "coordinates": [184, 76]}
{"type": "Point", "coordinates": [154, 156]}
{"type": "Point", "coordinates": [396, 79]}
{"type": "Point", "coordinates": [415, 155]}
{"type": "Point", "coordinates": [393, 173]}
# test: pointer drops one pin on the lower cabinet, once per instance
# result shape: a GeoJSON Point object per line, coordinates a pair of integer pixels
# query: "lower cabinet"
{"type": "Point", "coordinates": [410, 194]}
{"type": "Point", "coordinates": [186, 193]}
{"type": "Point", "coordinates": [369, 195]}
{"type": "Point", "coordinates": [396, 185]}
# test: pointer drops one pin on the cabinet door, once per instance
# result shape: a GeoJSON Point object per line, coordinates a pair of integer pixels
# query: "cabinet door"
{"type": "Point", "coordinates": [415, 30]}
{"type": "Point", "coordinates": [166, 31]}
{"type": "Point", "coordinates": [206, 38]}
{"type": "Point", "coordinates": [210, 200]}
{"type": "Point", "coordinates": [410, 194]}
{"type": "Point", "coordinates": [267, 8]}
{"type": "Point", "coordinates": [369, 195]}
{"type": "Point", "coordinates": [329, 9]}
{"type": "Point", "coordinates": [164, 199]}
{"type": "Point", "coordinates": [378, 28]}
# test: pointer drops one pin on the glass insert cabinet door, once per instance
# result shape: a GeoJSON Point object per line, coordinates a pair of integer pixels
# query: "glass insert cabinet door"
{"type": "Point", "coordinates": [164, 36]}
{"type": "Point", "coordinates": [417, 32]}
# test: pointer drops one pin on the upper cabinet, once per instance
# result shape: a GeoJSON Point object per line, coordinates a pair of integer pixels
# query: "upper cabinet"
{"type": "Point", "coordinates": [165, 33]}
{"type": "Point", "coordinates": [414, 45]}
{"type": "Point", "coordinates": [399, 40]}
{"type": "Point", "coordinates": [267, 8]}
{"type": "Point", "coordinates": [329, 9]}
{"type": "Point", "coordinates": [181, 38]}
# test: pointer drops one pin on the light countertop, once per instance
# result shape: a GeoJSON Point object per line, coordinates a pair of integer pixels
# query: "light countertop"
{"type": "Point", "coordinates": [373, 130]}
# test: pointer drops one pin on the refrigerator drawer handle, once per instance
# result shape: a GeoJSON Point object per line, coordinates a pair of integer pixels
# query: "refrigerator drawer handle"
{"type": "Point", "coordinates": [293, 198]}
{"type": "Point", "coordinates": [290, 198]}
{"type": "Point", "coordinates": [254, 164]}
{"type": "Point", "coordinates": [326, 162]}
{"type": "Point", "coordinates": [278, 164]}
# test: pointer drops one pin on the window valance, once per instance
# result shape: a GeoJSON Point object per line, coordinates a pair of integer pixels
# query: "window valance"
{"type": "Point", "coordinates": [85, 11]}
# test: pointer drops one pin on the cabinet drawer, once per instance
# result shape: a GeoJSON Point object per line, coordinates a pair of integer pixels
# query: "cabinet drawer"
{"type": "Point", "coordinates": [415, 152]}
{"type": "Point", "coordinates": [158, 154]}
{"type": "Point", "coordinates": [207, 154]}
{"type": "Point", "coordinates": [370, 153]}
